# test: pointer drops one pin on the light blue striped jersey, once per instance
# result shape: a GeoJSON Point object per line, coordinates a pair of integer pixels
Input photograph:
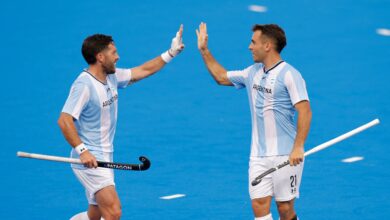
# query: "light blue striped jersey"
{"type": "Point", "coordinates": [94, 107]}
{"type": "Point", "coordinates": [272, 96]}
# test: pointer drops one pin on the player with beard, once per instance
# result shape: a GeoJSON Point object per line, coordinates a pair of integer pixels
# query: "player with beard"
{"type": "Point", "coordinates": [88, 118]}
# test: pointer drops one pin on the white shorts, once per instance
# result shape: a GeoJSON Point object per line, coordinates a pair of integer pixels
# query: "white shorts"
{"type": "Point", "coordinates": [282, 184]}
{"type": "Point", "coordinates": [94, 180]}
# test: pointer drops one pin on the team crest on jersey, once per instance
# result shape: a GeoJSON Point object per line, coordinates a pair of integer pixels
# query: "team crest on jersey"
{"type": "Point", "coordinates": [110, 89]}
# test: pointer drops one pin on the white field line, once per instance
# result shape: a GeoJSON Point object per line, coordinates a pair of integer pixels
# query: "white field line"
{"type": "Point", "coordinates": [175, 196]}
{"type": "Point", "coordinates": [383, 32]}
{"type": "Point", "coordinates": [352, 159]}
{"type": "Point", "coordinates": [257, 8]}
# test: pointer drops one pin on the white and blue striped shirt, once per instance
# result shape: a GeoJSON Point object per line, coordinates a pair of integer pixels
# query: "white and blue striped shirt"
{"type": "Point", "coordinates": [94, 107]}
{"type": "Point", "coordinates": [272, 96]}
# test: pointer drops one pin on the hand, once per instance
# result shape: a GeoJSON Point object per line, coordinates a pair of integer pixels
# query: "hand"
{"type": "Point", "coordinates": [296, 156]}
{"type": "Point", "coordinates": [177, 43]}
{"type": "Point", "coordinates": [88, 159]}
{"type": "Point", "coordinates": [202, 37]}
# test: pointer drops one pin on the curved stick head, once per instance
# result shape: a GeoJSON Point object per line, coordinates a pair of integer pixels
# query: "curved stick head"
{"type": "Point", "coordinates": [145, 163]}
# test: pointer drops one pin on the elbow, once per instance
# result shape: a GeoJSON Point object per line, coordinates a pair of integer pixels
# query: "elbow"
{"type": "Point", "coordinates": [304, 110]}
{"type": "Point", "coordinates": [223, 81]}
{"type": "Point", "coordinates": [219, 82]}
{"type": "Point", "coordinates": [309, 113]}
{"type": "Point", "coordinates": [61, 122]}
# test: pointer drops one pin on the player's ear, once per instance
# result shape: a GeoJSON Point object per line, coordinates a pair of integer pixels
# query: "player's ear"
{"type": "Point", "coordinates": [268, 45]}
{"type": "Point", "coordinates": [100, 57]}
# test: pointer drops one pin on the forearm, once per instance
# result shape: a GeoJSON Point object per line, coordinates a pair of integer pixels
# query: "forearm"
{"type": "Point", "coordinates": [147, 69]}
{"type": "Point", "coordinates": [69, 130]}
{"type": "Point", "coordinates": [303, 127]}
{"type": "Point", "coordinates": [217, 71]}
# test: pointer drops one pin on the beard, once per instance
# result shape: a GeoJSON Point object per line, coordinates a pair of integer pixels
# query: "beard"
{"type": "Point", "coordinates": [257, 58]}
{"type": "Point", "coordinates": [109, 68]}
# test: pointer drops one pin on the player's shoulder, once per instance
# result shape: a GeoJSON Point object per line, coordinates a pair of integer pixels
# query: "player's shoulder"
{"type": "Point", "coordinates": [254, 68]}
{"type": "Point", "coordinates": [119, 72]}
{"type": "Point", "coordinates": [288, 68]}
{"type": "Point", "coordinates": [83, 79]}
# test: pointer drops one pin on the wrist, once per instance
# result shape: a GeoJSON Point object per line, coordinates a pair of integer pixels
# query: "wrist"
{"type": "Point", "coordinates": [81, 148]}
{"type": "Point", "coordinates": [167, 56]}
{"type": "Point", "coordinates": [204, 51]}
{"type": "Point", "coordinates": [299, 147]}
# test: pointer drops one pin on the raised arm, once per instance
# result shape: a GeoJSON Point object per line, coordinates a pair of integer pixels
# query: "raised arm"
{"type": "Point", "coordinates": [218, 72]}
{"type": "Point", "coordinates": [152, 66]}
{"type": "Point", "coordinates": [303, 126]}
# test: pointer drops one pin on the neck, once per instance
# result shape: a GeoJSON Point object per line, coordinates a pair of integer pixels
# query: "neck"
{"type": "Point", "coordinates": [97, 72]}
{"type": "Point", "coordinates": [271, 60]}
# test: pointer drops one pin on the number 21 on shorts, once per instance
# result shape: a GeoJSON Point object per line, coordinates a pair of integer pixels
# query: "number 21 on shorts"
{"type": "Point", "coordinates": [293, 183]}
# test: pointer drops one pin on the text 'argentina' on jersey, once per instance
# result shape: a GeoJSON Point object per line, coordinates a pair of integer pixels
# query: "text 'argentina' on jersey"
{"type": "Point", "coordinates": [262, 89]}
{"type": "Point", "coordinates": [110, 101]}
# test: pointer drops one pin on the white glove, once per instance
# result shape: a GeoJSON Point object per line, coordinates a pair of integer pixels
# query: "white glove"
{"type": "Point", "coordinates": [176, 46]}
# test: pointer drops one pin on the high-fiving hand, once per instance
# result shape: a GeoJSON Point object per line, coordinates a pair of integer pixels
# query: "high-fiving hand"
{"type": "Point", "coordinates": [177, 43]}
{"type": "Point", "coordinates": [176, 46]}
{"type": "Point", "coordinates": [202, 36]}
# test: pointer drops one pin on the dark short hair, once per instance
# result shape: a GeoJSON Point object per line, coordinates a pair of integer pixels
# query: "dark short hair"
{"type": "Point", "coordinates": [93, 45]}
{"type": "Point", "coordinates": [274, 32]}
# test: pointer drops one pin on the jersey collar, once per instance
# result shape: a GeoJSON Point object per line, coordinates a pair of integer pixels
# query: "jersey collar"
{"type": "Point", "coordinates": [85, 70]}
{"type": "Point", "coordinates": [277, 64]}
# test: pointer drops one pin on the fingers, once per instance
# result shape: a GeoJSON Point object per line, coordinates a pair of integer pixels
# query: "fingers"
{"type": "Point", "coordinates": [202, 29]}
{"type": "Point", "coordinates": [297, 155]}
{"type": "Point", "coordinates": [179, 37]}
{"type": "Point", "coordinates": [95, 165]}
{"type": "Point", "coordinates": [291, 162]}
{"type": "Point", "coordinates": [88, 160]}
{"type": "Point", "coordinates": [92, 163]}
{"type": "Point", "coordinates": [181, 30]}
{"type": "Point", "coordinates": [295, 161]}
{"type": "Point", "coordinates": [202, 32]}
{"type": "Point", "coordinates": [179, 33]}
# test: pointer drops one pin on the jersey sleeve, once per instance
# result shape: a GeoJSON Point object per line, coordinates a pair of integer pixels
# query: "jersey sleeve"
{"type": "Point", "coordinates": [123, 77]}
{"type": "Point", "coordinates": [238, 78]}
{"type": "Point", "coordinates": [77, 100]}
{"type": "Point", "coordinates": [296, 87]}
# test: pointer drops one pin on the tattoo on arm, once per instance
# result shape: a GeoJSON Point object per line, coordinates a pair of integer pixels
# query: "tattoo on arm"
{"type": "Point", "coordinates": [133, 80]}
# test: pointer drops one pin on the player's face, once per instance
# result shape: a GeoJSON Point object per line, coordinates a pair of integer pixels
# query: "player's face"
{"type": "Point", "coordinates": [258, 47]}
{"type": "Point", "coordinates": [110, 58]}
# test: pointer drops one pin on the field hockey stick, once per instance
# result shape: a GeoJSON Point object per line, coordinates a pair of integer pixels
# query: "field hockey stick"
{"type": "Point", "coordinates": [112, 165]}
{"type": "Point", "coordinates": [320, 147]}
